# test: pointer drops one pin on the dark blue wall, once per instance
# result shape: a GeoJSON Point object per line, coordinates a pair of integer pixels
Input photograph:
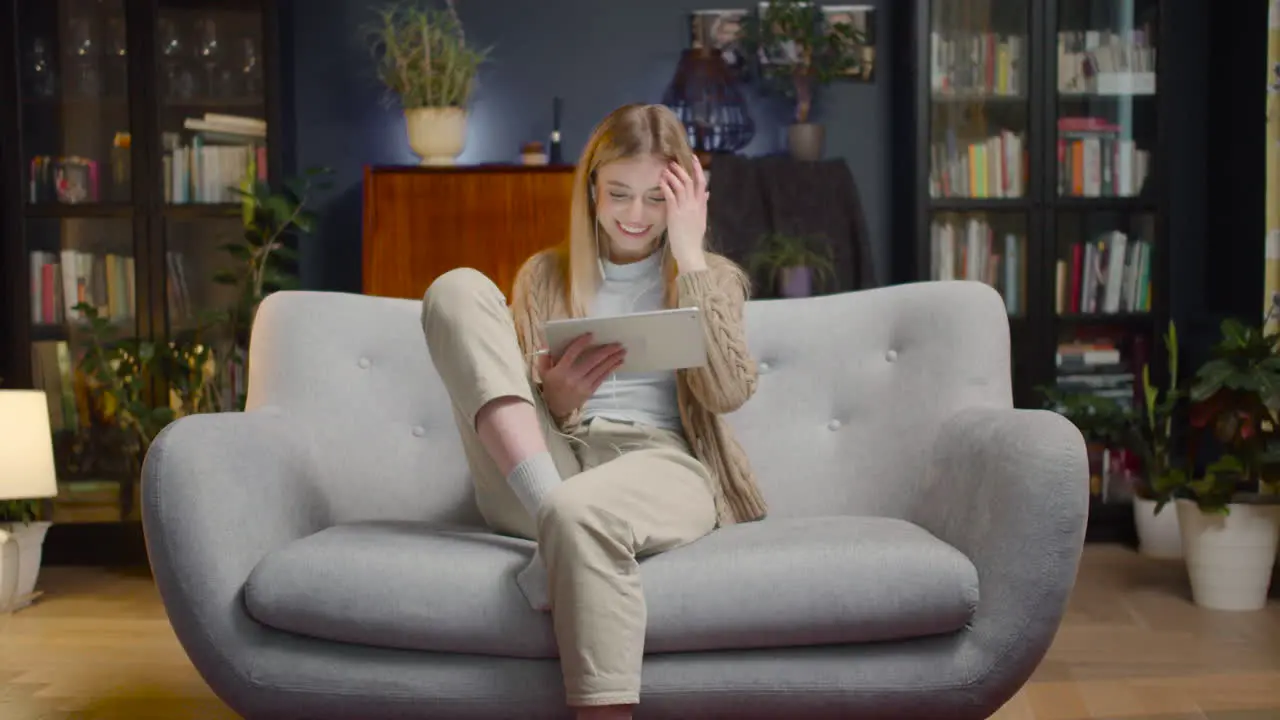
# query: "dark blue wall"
{"type": "Point", "coordinates": [596, 54]}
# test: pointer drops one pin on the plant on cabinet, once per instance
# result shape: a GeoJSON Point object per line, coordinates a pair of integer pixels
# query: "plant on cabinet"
{"type": "Point", "coordinates": [423, 59]}
{"type": "Point", "coordinates": [798, 52]}
{"type": "Point", "coordinates": [793, 264]}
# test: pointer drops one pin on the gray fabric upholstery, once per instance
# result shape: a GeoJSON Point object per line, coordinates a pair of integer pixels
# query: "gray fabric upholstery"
{"type": "Point", "coordinates": [890, 403]}
{"type": "Point", "coordinates": [411, 586]}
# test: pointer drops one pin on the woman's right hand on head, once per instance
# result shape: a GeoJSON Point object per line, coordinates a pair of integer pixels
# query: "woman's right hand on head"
{"type": "Point", "coordinates": [569, 380]}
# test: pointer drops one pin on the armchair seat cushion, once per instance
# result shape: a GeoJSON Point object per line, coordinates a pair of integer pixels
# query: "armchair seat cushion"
{"type": "Point", "coordinates": [773, 583]}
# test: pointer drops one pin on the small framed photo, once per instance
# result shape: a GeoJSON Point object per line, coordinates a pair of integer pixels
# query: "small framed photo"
{"type": "Point", "coordinates": [860, 21]}
{"type": "Point", "coordinates": [722, 31]}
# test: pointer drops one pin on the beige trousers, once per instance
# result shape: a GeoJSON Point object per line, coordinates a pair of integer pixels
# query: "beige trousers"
{"type": "Point", "coordinates": [628, 491]}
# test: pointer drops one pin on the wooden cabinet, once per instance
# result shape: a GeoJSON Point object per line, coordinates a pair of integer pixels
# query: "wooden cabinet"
{"type": "Point", "coordinates": [420, 222]}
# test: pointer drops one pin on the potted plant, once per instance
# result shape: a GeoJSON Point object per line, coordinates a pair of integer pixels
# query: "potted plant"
{"type": "Point", "coordinates": [26, 456]}
{"type": "Point", "coordinates": [798, 52]}
{"type": "Point", "coordinates": [424, 61]}
{"type": "Point", "coordinates": [22, 536]}
{"type": "Point", "coordinates": [1159, 535]}
{"type": "Point", "coordinates": [1230, 515]}
{"type": "Point", "coordinates": [793, 264]}
{"type": "Point", "coordinates": [1107, 427]}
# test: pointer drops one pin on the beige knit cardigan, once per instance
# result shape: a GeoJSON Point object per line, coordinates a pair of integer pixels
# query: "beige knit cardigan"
{"type": "Point", "coordinates": [726, 382]}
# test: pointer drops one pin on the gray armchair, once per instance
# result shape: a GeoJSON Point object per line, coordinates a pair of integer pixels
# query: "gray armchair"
{"type": "Point", "coordinates": [320, 555]}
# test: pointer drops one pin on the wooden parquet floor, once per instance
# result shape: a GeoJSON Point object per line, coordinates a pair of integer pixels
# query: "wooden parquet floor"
{"type": "Point", "coordinates": [1132, 647]}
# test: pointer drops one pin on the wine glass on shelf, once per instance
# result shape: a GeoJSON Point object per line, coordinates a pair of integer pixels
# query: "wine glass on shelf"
{"type": "Point", "coordinates": [178, 80]}
{"type": "Point", "coordinates": [251, 69]}
{"type": "Point", "coordinates": [118, 55]}
{"type": "Point", "coordinates": [209, 52]}
{"type": "Point", "coordinates": [83, 47]}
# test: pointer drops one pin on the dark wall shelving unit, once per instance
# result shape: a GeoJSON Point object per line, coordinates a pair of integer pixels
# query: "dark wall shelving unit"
{"type": "Point", "coordinates": [96, 97]}
{"type": "Point", "coordinates": [1036, 132]}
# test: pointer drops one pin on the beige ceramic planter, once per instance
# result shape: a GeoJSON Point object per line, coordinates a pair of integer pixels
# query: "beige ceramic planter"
{"type": "Point", "coordinates": [437, 135]}
{"type": "Point", "coordinates": [1230, 557]}
{"type": "Point", "coordinates": [21, 551]}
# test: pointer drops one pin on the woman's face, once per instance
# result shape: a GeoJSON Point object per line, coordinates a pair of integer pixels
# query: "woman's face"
{"type": "Point", "coordinates": [630, 207]}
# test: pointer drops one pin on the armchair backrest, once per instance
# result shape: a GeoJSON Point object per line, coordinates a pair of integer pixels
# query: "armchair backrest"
{"type": "Point", "coordinates": [852, 388]}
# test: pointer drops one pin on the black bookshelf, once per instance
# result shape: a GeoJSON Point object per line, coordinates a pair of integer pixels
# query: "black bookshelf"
{"type": "Point", "coordinates": [1017, 153]}
{"type": "Point", "coordinates": [103, 90]}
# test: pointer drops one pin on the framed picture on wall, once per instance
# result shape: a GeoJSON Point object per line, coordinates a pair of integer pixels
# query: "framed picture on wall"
{"type": "Point", "coordinates": [859, 23]}
{"type": "Point", "coordinates": [720, 30]}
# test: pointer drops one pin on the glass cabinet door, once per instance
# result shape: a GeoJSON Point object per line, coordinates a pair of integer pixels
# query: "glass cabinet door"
{"type": "Point", "coordinates": [979, 120]}
{"type": "Point", "coordinates": [212, 99]}
{"type": "Point", "coordinates": [1106, 90]}
{"type": "Point", "coordinates": [1106, 219]}
{"type": "Point", "coordinates": [74, 88]}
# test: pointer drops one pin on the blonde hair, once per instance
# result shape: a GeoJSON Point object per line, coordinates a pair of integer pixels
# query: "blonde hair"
{"type": "Point", "coordinates": [630, 131]}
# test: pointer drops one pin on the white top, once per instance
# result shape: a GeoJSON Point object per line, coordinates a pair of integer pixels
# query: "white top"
{"type": "Point", "coordinates": [645, 398]}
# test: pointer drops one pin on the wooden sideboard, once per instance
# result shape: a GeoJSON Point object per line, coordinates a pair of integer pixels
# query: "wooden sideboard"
{"type": "Point", "coordinates": [420, 222]}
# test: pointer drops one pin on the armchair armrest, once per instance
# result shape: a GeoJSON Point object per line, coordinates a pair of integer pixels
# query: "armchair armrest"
{"type": "Point", "coordinates": [1009, 488]}
{"type": "Point", "coordinates": [220, 491]}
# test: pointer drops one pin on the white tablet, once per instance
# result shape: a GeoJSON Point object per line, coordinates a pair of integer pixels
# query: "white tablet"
{"type": "Point", "coordinates": [655, 341]}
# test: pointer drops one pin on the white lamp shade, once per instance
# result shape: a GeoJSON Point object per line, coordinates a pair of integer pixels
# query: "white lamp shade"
{"type": "Point", "coordinates": [26, 446]}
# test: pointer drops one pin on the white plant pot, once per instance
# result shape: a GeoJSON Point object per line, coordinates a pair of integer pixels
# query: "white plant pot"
{"type": "Point", "coordinates": [437, 135]}
{"type": "Point", "coordinates": [21, 549]}
{"type": "Point", "coordinates": [1230, 557]}
{"type": "Point", "coordinates": [1159, 536]}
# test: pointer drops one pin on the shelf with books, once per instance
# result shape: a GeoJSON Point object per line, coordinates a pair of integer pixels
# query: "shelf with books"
{"type": "Point", "coordinates": [986, 247]}
{"type": "Point", "coordinates": [73, 262]}
{"type": "Point", "coordinates": [1036, 158]}
{"type": "Point", "coordinates": [1104, 263]}
{"type": "Point", "coordinates": [978, 100]}
{"type": "Point", "coordinates": [95, 96]}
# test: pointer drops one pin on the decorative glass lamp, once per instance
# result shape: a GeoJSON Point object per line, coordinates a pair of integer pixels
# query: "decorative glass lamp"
{"type": "Point", "coordinates": [705, 96]}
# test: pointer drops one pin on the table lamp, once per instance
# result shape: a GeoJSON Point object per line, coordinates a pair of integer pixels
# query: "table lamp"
{"type": "Point", "coordinates": [26, 473]}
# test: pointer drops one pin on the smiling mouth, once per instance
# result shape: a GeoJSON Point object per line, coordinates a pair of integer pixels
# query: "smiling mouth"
{"type": "Point", "coordinates": [633, 230]}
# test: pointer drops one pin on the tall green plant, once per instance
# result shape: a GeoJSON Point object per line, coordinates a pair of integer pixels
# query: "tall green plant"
{"type": "Point", "coordinates": [799, 50]}
{"type": "Point", "coordinates": [1154, 436]}
{"type": "Point", "coordinates": [422, 55]}
{"type": "Point", "coordinates": [200, 364]}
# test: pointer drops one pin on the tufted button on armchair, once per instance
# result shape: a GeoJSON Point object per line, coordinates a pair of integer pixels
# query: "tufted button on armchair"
{"type": "Point", "coordinates": [320, 555]}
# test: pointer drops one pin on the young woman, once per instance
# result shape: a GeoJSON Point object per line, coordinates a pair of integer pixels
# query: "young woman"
{"type": "Point", "coordinates": [600, 467]}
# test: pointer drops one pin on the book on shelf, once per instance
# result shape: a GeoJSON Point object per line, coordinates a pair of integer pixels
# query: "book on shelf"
{"type": "Point", "coordinates": [53, 370]}
{"type": "Point", "coordinates": [61, 280]}
{"type": "Point", "coordinates": [1106, 62]}
{"type": "Point", "coordinates": [991, 167]}
{"type": "Point", "coordinates": [971, 250]}
{"type": "Point", "coordinates": [223, 152]}
{"type": "Point", "coordinates": [973, 64]}
{"type": "Point", "coordinates": [1108, 275]}
{"type": "Point", "coordinates": [1095, 160]}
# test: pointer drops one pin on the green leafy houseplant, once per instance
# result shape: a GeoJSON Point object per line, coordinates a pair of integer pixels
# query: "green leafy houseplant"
{"type": "Point", "coordinates": [779, 251]}
{"type": "Point", "coordinates": [1235, 400]}
{"type": "Point", "coordinates": [1101, 420]}
{"type": "Point", "coordinates": [800, 51]}
{"type": "Point", "coordinates": [19, 511]}
{"type": "Point", "coordinates": [200, 364]}
{"type": "Point", "coordinates": [422, 55]}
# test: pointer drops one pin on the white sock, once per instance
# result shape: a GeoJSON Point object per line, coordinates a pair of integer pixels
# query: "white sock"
{"type": "Point", "coordinates": [532, 479]}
